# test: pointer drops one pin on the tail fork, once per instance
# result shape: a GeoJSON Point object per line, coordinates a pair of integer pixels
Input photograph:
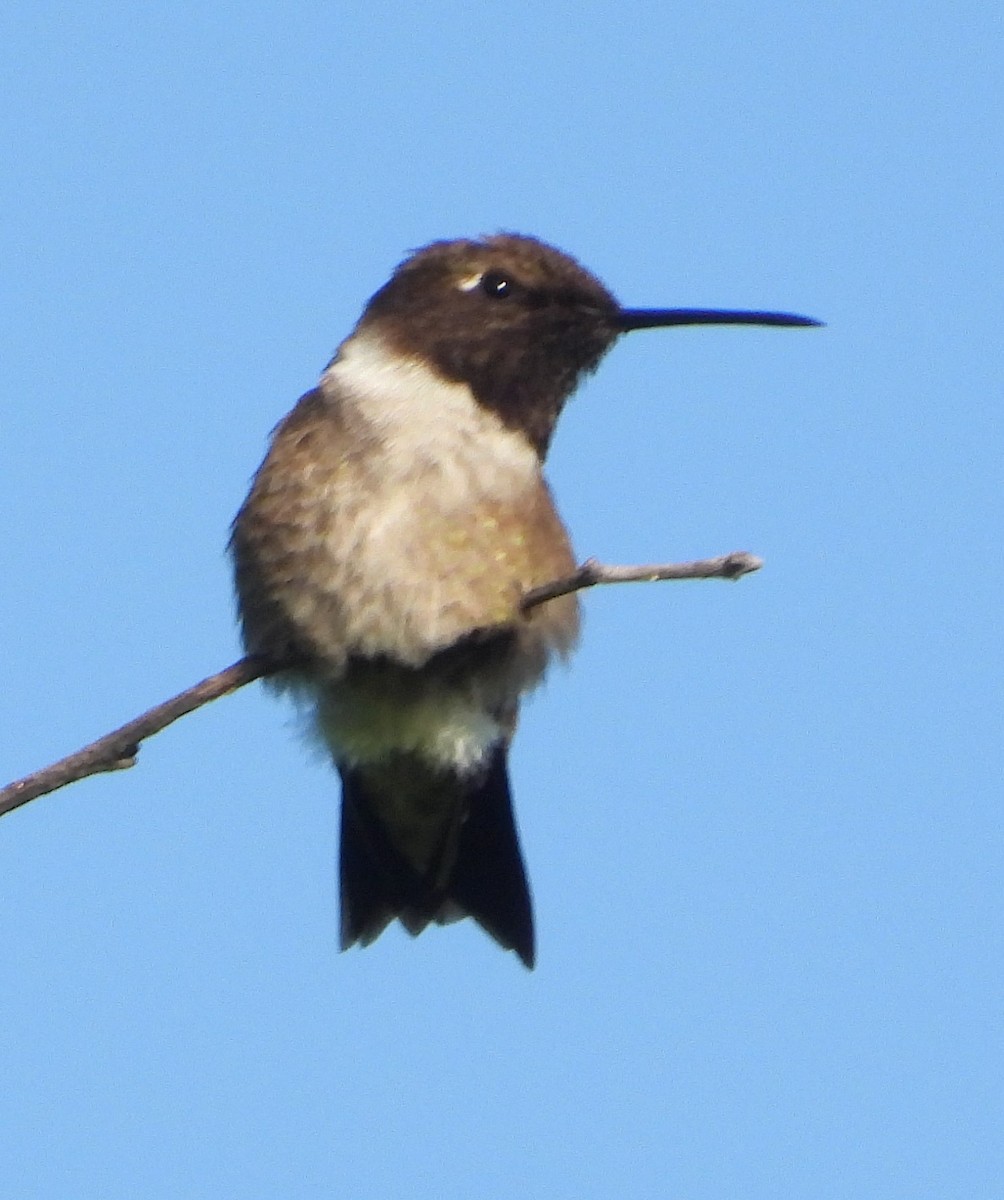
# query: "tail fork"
{"type": "Point", "coordinates": [480, 872]}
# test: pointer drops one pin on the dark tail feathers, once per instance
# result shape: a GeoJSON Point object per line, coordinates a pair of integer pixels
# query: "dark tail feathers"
{"type": "Point", "coordinates": [480, 872]}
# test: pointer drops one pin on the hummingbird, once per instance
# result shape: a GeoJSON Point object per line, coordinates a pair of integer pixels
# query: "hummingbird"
{"type": "Point", "coordinates": [380, 558]}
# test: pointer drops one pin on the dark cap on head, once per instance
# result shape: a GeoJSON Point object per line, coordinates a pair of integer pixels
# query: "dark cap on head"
{"type": "Point", "coordinates": [515, 319]}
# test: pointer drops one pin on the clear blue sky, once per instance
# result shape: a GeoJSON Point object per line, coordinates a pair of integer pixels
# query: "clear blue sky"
{"type": "Point", "coordinates": [763, 820]}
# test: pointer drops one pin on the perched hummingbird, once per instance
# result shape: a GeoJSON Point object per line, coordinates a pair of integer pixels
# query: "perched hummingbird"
{"type": "Point", "coordinates": [398, 518]}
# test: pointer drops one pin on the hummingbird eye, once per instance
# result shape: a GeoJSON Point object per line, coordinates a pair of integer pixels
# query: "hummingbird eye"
{"type": "Point", "coordinates": [495, 285]}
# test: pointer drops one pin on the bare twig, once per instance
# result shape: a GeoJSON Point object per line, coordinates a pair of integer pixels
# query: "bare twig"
{"type": "Point", "coordinates": [727, 566]}
{"type": "Point", "coordinates": [119, 749]}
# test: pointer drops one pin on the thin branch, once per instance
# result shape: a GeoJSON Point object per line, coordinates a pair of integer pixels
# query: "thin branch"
{"type": "Point", "coordinates": [118, 750]}
{"type": "Point", "coordinates": [726, 566]}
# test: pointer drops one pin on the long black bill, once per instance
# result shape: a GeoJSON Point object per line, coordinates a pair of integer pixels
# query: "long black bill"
{"type": "Point", "coordinates": [657, 318]}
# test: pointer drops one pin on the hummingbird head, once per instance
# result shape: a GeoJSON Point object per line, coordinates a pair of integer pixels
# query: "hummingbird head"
{"type": "Point", "coordinates": [516, 320]}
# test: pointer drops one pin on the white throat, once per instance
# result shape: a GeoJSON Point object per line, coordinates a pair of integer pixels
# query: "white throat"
{"type": "Point", "coordinates": [423, 420]}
